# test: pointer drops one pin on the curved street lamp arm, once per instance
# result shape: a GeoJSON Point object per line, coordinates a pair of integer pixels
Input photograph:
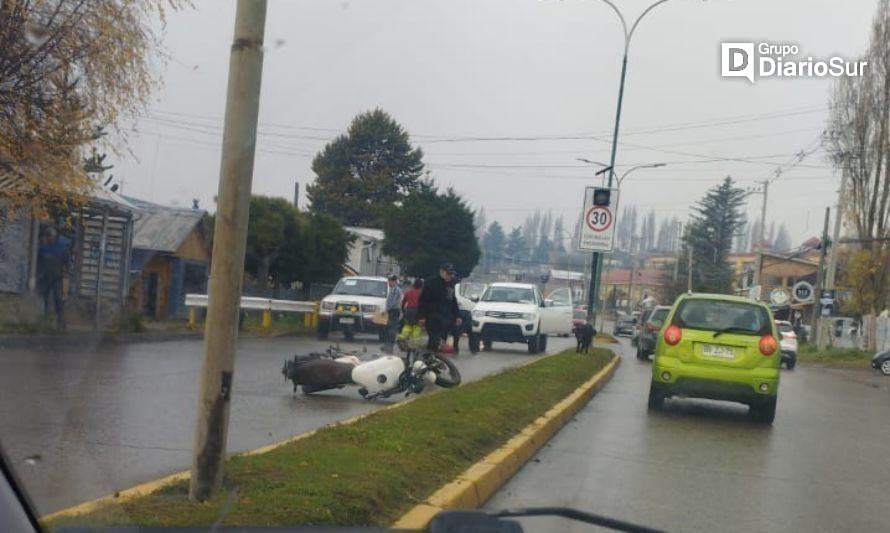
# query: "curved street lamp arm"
{"type": "Point", "coordinates": [623, 22]}
{"type": "Point", "coordinates": [637, 22]}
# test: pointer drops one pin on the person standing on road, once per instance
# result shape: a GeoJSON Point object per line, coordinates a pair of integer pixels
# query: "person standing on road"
{"type": "Point", "coordinates": [52, 256]}
{"type": "Point", "coordinates": [437, 308]}
{"type": "Point", "coordinates": [410, 302]}
{"type": "Point", "coordinates": [393, 312]}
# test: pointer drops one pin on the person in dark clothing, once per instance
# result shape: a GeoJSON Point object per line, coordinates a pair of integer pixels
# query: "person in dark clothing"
{"type": "Point", "coordinates": [437, 309]}
{"type": "Point", "coordinates": [51, 259]}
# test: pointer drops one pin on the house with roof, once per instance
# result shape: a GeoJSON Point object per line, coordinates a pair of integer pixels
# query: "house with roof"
{"type": "Point", "coordinates": [619, 285]}
{"type": "Point", "coordinates": [170, 258]}
{"type": "Point", "coordinates": [574, 281]}
{"type": "Point", "coordinates": [366, 256]}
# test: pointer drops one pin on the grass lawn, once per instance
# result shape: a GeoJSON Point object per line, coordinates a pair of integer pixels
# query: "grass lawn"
{"type": "Point", "coordinates": [376, 469]}
{"type": "Point", "coordinates": [846, 357]}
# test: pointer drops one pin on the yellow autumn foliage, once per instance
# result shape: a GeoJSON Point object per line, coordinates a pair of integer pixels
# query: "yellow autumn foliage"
{"type": "Point", "coordinates": [68, 68]}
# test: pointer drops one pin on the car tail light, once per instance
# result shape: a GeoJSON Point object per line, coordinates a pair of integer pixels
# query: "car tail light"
{"type": "Point", "coordinates": [673, 335]}
{"type": "Point", "coordinates": [767, 345]}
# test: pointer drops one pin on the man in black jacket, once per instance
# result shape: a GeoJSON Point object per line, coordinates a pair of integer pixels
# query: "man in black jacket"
{"type": "Point", "coordinates": [438, 309]}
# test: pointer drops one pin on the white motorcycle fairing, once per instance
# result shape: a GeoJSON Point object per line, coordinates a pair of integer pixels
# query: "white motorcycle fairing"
{"type": "Point", "coordinates": [379, 374]}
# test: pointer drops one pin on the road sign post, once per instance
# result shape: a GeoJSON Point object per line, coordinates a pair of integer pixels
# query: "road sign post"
{"type": "Point", "coordinates": [597, 234]}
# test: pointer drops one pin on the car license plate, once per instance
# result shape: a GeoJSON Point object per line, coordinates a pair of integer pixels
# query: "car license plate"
{"type": "Point", "coordinates": [713, 350]}
{"type": "Point", "coordinates": [347, 321]}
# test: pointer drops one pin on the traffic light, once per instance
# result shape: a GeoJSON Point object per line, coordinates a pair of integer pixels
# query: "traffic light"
{"type": "Point", "coordinates": [602, 197]}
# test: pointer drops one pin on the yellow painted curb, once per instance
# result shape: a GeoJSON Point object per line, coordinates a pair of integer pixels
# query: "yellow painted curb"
{"type": "Point", "coordinates": [491, 473]}
{"type": "Point", "coordinates": [420, 514]}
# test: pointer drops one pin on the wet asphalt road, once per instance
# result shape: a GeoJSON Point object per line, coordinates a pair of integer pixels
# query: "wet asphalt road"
{"type": "Point", "coordinates": [81, 423]}
{"type": "Point", "coordinates": [824, 465]}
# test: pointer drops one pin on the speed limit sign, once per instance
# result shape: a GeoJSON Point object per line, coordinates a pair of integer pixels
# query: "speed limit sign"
{"type": "Point", "coordinates": [599, 219]}
{"type": "Point", "coordinates": [598, 229]}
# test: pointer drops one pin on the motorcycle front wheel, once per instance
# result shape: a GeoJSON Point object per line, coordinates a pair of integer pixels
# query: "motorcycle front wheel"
{"type": "Point", "coordinates": [447, 374]}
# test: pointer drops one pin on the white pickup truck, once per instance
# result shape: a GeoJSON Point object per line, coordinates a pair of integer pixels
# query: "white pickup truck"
{"type": "Point", "coordinates": [516, 312]}
{"type": "Point", "coordinates": [351, 306]}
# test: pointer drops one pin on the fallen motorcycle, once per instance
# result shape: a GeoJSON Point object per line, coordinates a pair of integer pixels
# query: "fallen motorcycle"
{"type": "Point", "coordinates": [381, 377]}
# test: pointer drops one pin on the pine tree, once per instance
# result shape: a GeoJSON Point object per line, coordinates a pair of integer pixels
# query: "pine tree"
{"type": "Point", "coordinates": [361, 174]}
{"type": "Point", "coordinates": [493, 246]}
{"type": "Point", "coordinates": [559, 236]}
{"type": "Point", "coordinates": [783, 240]}
{"type": "Point", "coordinates": [517, 246]}
{"type": "Point", "coordinates": [710, 234]}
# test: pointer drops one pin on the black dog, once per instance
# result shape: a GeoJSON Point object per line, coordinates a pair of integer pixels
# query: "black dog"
{"type": "Point", "coordinates": [584, 334]}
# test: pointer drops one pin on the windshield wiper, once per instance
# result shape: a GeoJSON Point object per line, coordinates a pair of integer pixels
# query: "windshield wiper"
{"type": "Point", "coordinates": [731, 329]}
{"type": "Point", "coordinates": [469, 520]}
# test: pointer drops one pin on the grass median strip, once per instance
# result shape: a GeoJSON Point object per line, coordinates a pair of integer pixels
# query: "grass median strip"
{"type": "Point", "coordinates": [831, 356]}
{"type": "Point", "coordinates": [372, 471]}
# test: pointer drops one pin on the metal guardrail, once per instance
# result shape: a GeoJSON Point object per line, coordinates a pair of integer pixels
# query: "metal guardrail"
{"type": "Point", "coordinates": [267, 305]}
{"type": "Point", "coordinates": [251, 302]}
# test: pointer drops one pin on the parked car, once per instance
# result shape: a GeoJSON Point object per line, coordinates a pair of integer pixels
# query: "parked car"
{"type": "Point", "coordinates": [624, 325]}
{"type": "Point", "coordinates": [351, 307]}
{"type": "Point", "coordinates": [652, 322]}
{"type": "Point", "coordinates": [881, 361]}
{"type": "Point", "coordinates": [516, 312]}
{"type": "Point", "coordinates": [721, 348]}
{"type": "Point", "coordinates": [788, 343]}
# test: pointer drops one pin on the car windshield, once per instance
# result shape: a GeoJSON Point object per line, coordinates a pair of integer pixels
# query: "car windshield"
{"type": "Point", "coordinates": [204, 204]}
{"type": "Point", "coordinates": [361, 287]}
{"type": "Point", "coordinates": [517, 295]}
{"type": "Point", "coordinates": [722, 315]}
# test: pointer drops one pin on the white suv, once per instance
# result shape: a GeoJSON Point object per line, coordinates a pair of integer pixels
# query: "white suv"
{"type": "Point", "coordinates": [516, 312]}
{"type": "Point", "coordinates": [351, 306]}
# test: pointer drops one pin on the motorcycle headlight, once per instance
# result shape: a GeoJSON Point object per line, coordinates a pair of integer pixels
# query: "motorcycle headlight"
{"type": "Point", "coordinates": [528, 317]}
{"type": "Point", "coordinates": [369, 308]}
{"type": "Point", "coordinates": [327, 306]}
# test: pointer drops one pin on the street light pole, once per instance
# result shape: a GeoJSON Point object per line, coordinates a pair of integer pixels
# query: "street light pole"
{"type": "Point", "coordinates": [628, 34]}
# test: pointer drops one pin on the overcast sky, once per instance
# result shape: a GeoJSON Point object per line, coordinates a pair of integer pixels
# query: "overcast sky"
{"type": "Point", "coordinates": [535, 69]}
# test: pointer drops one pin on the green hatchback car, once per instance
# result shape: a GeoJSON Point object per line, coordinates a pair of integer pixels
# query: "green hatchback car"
{"type": "Point", "coordinates": [721, 348]}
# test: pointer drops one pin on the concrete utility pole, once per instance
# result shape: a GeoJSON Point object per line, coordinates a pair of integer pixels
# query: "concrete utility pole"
{"type": "Point", "coordinates": [820, 280]}
{"type": "Point", "coordinates": [229, 244]}
{"type": "Point", "coordinates": [630, 293]}
{"type": "Point", "coordinates": [831, 273]}
{"type": "Point", "coordinates": [763, 212]}
{"type": "Point", "coordinates": [676, 243]}
{"type": "Point", "coordinates": [757, 246]}
{"type": "Point", "coordinates": [689, 270]}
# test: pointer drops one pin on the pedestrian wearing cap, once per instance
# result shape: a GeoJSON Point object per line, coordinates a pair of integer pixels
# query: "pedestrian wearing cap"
{"type": "Point", "coordinates": [393, 312]}
{"type": "Point", "coordinates": [437, 309]}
